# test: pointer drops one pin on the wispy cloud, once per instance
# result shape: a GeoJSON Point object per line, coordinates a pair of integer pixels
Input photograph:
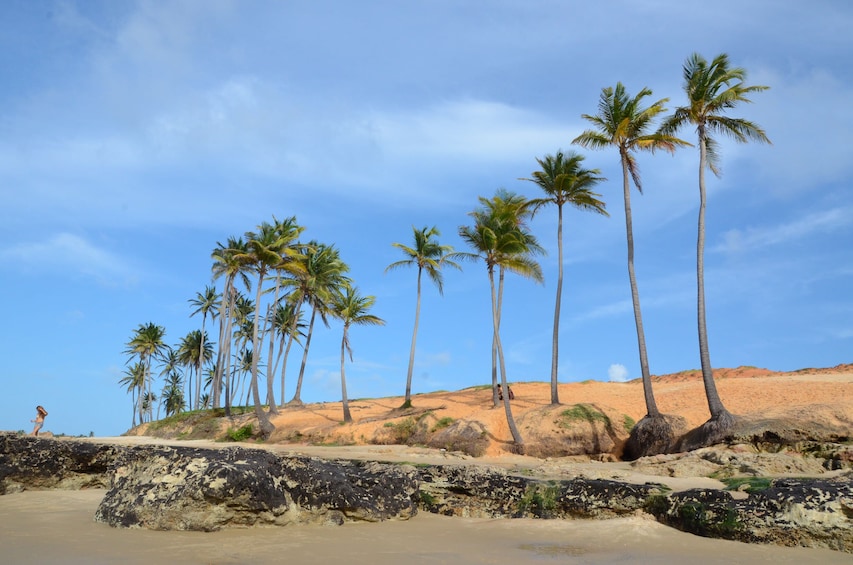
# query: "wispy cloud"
{"type": "Point", "coordinates": [737, 240]}
{"type": "Point", "coordinates": [72, 255]}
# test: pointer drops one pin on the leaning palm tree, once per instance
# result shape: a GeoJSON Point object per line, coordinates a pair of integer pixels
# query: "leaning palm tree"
{"type": "Point", "coordinates": [264, 253]}
{"type": "Point", "coordinates": [430, 256]}
{"type": "Point", "coordinates": [501, 240]}
{"type": "Point", "coordinates": [351, 308]}
{"type": "Point", "coordinates": [205, 304]}
{"type": "Point", "coordinates": [712, 89]}
{"type": "Point", "coordinates": [564, 181]}
{"type": "Point", "coordinates": [622, 122]}
{"type": "Point", "coordinates": [324, 274]}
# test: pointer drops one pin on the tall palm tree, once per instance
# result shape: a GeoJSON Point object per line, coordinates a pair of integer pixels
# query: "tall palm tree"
{"type": "Point", "coordinates": [205, 304]}
{"type": "Point", "coordinates": [227, 263]}
{"type": "Point", "coordinates": [565, 181]}
{"type": "Point", "coordinates": [289, 251]}
{"type": "Point", "coordinates": [712, 89]}
{"type": "Point", "coordinates": [147, 344]}
{"type": "Point", "coordinates": [430, 256]}
{"type": "Point", "coordinates": [264, 253]}
{"type": "Point", "coordinates": [352, 309]}
{"type": "Point", "coordinates": [622, 122]}
{"type": "Point", "coordinates": [501, 239]}
{"type": "Point", "coordinates": [515, 210]}
{"type": "Point", "coordinates": [323, 275]}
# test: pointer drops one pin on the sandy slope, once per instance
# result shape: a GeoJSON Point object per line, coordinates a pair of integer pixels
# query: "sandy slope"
{"type": "Point", "coordinates": [317, 429]}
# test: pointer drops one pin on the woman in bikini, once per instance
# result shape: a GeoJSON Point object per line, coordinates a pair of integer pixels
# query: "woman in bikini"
{"type": "Point", "coordinates": [39, 421]}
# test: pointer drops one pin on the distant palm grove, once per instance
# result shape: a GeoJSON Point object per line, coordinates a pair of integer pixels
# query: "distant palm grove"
{"type": "Point", "coordinates": [270, 287]}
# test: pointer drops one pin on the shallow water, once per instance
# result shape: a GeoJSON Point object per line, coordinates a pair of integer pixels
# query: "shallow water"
{"type": "Point", "coordinates": [50, 527]}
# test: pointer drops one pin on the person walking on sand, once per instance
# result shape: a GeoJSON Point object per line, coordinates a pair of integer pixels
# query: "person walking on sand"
{"type": "Point", "coordinates": [39, 421]}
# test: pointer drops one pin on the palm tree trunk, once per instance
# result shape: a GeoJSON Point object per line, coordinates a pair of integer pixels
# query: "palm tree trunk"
{"type": "Point", "coordinates": [228, 338]}
{"type": "Point", "coordinates": [266, 427]}
{"type": "Point", "coordinates": [293, 329]}
{"type": "Point", "coordinates": [555, 340]}
{"type": "Point", "coordinates": [273, 409]}
{"type": "Point", "coordinates": [516, 435]}
{"type": "Point", "coordinates": [407, 403]}
{"type": "Point", "coordinates": [297, 398]}
{"type": "Point", "coordinates": [651, 406]}
{"type": "Point", "coordinates": [220, 359]}
{"type": "Point", "coordinates": [344, 400]}
{"type": "Point", "coordinates": [715, 404]}
{"type": "Point", "coordinates": [499, 305]}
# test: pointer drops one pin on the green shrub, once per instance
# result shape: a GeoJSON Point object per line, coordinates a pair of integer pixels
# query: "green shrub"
{"type": "Point", "coordinates": [629, 423]}
{"type": "Point", "coordinates": [443, 423]}
{"type": "Point", "coordinates": [240, 434]}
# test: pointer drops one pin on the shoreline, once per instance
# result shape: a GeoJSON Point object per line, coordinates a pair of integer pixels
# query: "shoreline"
{"type": "Point", "coordinates": [53, 527]}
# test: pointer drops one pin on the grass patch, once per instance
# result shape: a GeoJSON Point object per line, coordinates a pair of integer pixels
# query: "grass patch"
{"type": "Point", "coordinates": [629, 423]}
{"type": "Point", "coordinates": [240, 434]}
{"type": "Point", "coordinates": [581, 412]}
{"type": "Point", "coordinates": [443, 423]}
{"type": "Point", "coordinates": [754, 484]}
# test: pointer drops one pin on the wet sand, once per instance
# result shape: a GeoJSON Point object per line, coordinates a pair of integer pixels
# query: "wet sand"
{"type": "Point", "coordinates": [52, 527]}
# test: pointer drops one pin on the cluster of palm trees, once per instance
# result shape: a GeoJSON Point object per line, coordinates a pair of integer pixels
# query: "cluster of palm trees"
{"type": "Point", "coordinates": [298, 277]}
{"type": "Point", "coordinates": [289, 277]}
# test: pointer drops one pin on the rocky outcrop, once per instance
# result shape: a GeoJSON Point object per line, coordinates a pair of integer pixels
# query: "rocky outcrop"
{"type": "Point", "coordinates": [485, 492]}
{"type": "Point", "coordinates": [37, 463]}
{"type": "Point", "coordinates": [170, 488]}
{"type": "Point", "coordinates": [792, 512]}
{"type": "Point", "coordinates": [160, 487]}
{"type": "Point", "coordinates": [178, 488]}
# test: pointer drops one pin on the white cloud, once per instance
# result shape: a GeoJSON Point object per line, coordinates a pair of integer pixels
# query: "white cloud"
{"type": "Point", "coordinates": [753, 238]}
{"type": "Point", "coordinates": [618, 373]}
{"type": "Point", "coordinates": [71, 254]}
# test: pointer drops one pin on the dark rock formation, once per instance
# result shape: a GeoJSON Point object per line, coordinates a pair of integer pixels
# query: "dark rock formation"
{"type": "Point", "coordinates": [485, 492]}
{"type": "Point", "coordinates": [176, 488]}
{"type": "Point", "coordinates": [792, 512]}
{"type": "Point", "coordinates": [37, 463]}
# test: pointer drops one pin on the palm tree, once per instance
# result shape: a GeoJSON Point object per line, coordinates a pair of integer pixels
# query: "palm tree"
{"type": "Point", "coordinates": [289, 253]}
{"type": "Point", "coordinates": [134, 382]}
{"type": "Point", "coordinates": [622, 122]}
{"type": "Point", "coordinates": [147, 344]}
{"type": "Point", "coordinates": [429, 256]}
{"type": "Point", "coordinates": [227, 263]}
{"type": "Point", "coordinates": [264, 253]}
{"type": "Point", "coordinates": [499, 237]}
{"type": "Point", "coordinates": [194, 352]}
{"type": "Point", "coordinates": [712, 89]}
{"type": "Point", "coordinates": [323, 275]}
{"type": "Point", "coordinates": [564, 181]}
{"type": "Point", "coordinates": [204, 303]}
{"type": "Point", "coordinates": [287, 324]}
{"type": "Point", "coordinates": [515, 209]}
{"type": "Point", "coordinates": [172, 395]}
{"type": "Point", "coordinates": [351, 308]}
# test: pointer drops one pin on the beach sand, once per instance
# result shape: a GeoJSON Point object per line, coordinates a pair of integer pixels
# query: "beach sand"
{"type": "Point", "coordinates": [53, 527]}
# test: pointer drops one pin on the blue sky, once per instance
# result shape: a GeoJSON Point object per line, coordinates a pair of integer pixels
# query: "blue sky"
{"type": "Point", "coordinates": [136, 135]}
